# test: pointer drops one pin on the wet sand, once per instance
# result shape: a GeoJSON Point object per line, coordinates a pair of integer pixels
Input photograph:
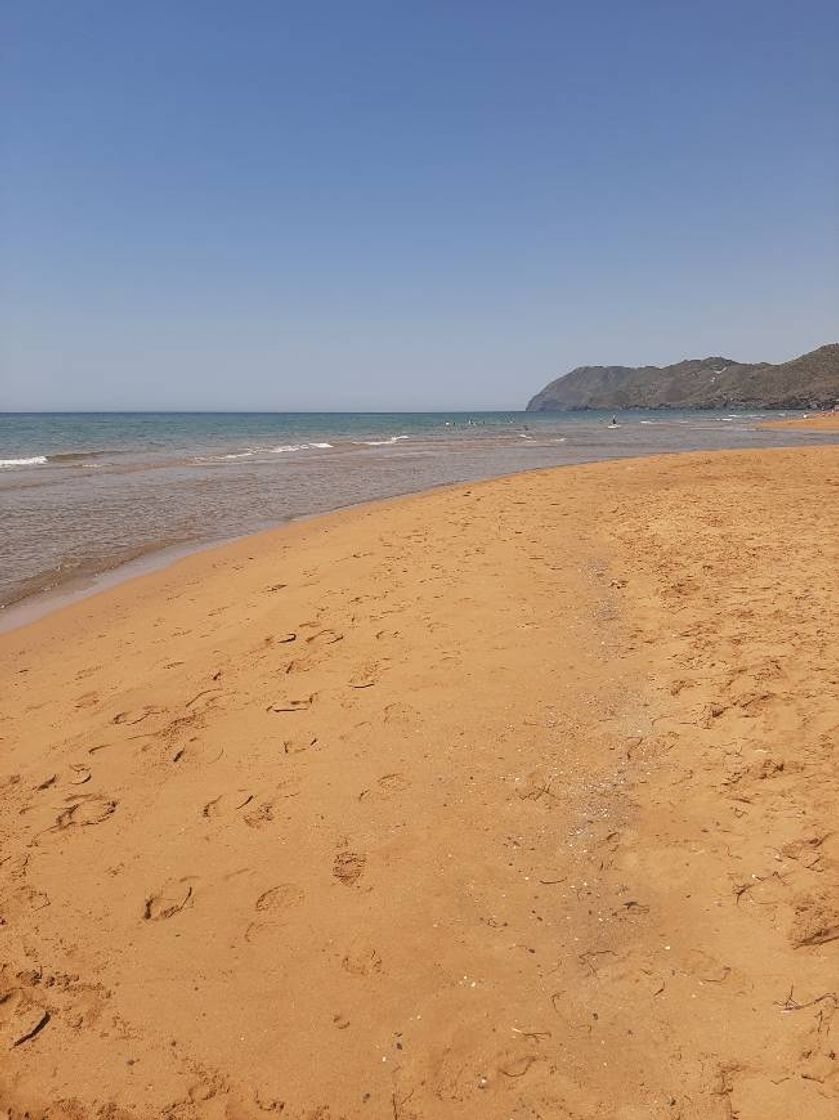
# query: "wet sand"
{"type": "Point", "coordinates": [514, 799]}
{"type": "Point", "coordinates": [821, 422]}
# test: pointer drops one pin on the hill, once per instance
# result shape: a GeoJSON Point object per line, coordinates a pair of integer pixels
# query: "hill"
{"type": "Point", "coordinates": [811, 381]}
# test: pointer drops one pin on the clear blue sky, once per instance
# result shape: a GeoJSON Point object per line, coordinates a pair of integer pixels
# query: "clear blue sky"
{"type": "Point", "coordinates": [408, 205]}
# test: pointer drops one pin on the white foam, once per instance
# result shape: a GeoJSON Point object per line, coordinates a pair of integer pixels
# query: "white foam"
{"type": "Point", "coordinates": [382, 442]}
{"type": "Point", "coordinates": [222, 458]}
{"type": "Point", "coordinates": [32, 461]}
{"type": "Point", "coordinates": [299, 447]}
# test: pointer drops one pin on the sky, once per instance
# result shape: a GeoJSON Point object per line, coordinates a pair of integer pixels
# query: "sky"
{"type": "Point", "coordinates": [407, 205]}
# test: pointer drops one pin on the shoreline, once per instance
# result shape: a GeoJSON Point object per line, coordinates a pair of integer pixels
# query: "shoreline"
{"type": "Point", "coordinates": [496, 799]}
{"type": "Point", "coordinates": [818, 422]}
{"type": "Point", "coordinates": [42, 604]}
{"type": "Point", "coordinates": [78, 588]}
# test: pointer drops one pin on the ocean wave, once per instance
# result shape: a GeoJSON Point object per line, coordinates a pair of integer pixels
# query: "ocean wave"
{"type": "Point", "coordinates": [380, 442]}
{"type": "Point", "coordinates": [221, 458]}
{"type": "Point", "coordinates": [60, 458]}
{"type": "Point", "coordinates": [254, 452]}
{"type": "Point", "coordinates": [31, 461]}
{"type": "Point", "coordinates": [75, 456]}
{"type": "Point", "coordinates": [300, 447]}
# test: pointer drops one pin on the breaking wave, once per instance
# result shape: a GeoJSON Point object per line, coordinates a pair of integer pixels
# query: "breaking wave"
{"type": "Point", "coordinates": [31, 461]}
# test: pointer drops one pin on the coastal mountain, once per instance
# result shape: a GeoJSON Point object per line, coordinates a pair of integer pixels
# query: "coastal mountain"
{"type": "Point", "coordinates": [811, 381]}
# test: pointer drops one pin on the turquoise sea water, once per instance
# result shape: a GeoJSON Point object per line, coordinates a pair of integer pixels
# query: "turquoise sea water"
{"type": "Point", "coordinates": [84, 493]}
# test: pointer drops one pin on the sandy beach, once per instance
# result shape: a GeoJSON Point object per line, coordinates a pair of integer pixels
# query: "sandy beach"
{"type": "Point", "coordinates": [509, 800]}
{"type": "Point", "coordinates": [820, 422]}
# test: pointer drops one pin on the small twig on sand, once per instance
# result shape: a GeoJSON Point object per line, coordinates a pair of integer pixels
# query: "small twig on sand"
{"type": "Point", "coordinates": [792, 1004]}
{"type": "Point", "coordinates": [537, 1035]}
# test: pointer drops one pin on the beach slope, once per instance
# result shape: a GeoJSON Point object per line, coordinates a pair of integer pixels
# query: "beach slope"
{"type": "Point", "coordinates": [514, 799]}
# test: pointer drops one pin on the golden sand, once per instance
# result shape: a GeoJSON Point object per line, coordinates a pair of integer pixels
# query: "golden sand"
{"type": "Point", "coordinates": [514, 799]}
{"type": "Point", "coordinates": [821, 422]}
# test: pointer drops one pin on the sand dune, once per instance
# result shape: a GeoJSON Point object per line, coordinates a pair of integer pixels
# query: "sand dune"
{"type": "Point", "coordinates": [509, 800]}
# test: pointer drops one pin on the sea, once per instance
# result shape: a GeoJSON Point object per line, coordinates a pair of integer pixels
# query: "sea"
{"type": "Point", "coordinates": [90, 497]}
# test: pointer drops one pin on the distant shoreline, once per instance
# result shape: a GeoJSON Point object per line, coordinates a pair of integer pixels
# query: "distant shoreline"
{"type": "Point", "coordinates": [818, 422]}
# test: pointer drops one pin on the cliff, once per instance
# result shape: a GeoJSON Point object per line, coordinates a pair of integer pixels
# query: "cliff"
{"type": "Point", "coordinates": [811, 381]}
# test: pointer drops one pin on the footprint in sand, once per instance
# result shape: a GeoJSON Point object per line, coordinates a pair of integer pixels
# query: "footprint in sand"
{"type": "Point", "coordinates": [301, 665]}
{"type": "Point", "coordinates": [273, 907]}
{"type": "Point", "coordinates": [365, 677]}
{"type": "Point", "coordinates": [362, 961]}
{"type": "Point", "coordinates": [258, 1108]}
{"type": "Point", "coordinates": [263, 812]}
{"type": "Point", "coordinates": [324, 638]}
{"type": "Point", "coordinates": [815, 922]}
{"type": "Point", "coordinates": [389, 785]}
{"type": "Point", "coordinates": [514, 1064]}
{"type": "Point", "coordinates": [260, 815]}
{"type": "Point", "coordinates": [136, 716]}
{"type": "Point", "coordinates": [170, 899]}
{"type": "Point", "coordinates": [705, 967]}
{"type": "Point", "coordinates": [80, 774]}
{"type": "Point", "coordinates": [301, 704]}
{"type": "Point", "coordinates": [279, 898]}
{"type": "Point", "coordinates": [85, 811]}
{"type": "Point", "coordinates": [401, 714]}
{"type": "Point", "coordinates": [297, 745]}
{"type": "Point", "coordinates": [21, 1018]}
{"type": "Point", "coordinates": [208, 696]}
{"type": "Point", "coordinates": [21, 902]}
{"type": "Point", "coordinates": [349, 867]}
{"type": "Point", "coordinates": [227, 803]}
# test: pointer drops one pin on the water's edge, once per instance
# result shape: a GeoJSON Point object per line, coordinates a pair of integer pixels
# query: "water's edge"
{"type": "Point", "coordinates": [39, 605]}
{"type": "Point", "coordinates": [88, 500]}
